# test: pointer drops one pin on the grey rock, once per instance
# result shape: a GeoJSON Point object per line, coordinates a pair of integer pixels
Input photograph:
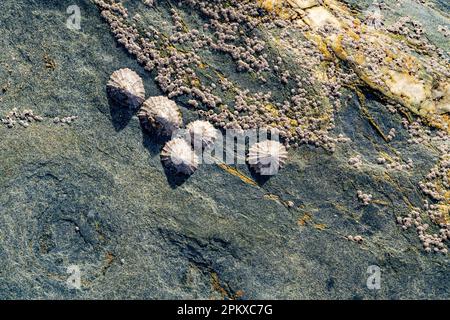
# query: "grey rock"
{"type": "Point", "coordinates": [95, 194]}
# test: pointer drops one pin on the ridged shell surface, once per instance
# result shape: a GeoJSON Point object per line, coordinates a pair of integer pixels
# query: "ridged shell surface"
{"type": "Point", "coordinates": [178, 154]}
{"type": "Point", "coordinates": [201, 134]}
{"type": "Point", "coordinates": [267, 157]}
{"type": "Point", "coordinates": [160, 114]}
{"type": "Point", "coordinates": [127, 88]}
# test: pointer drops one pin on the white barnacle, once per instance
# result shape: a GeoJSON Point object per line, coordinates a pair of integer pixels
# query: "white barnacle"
{"type": "Point", "coordinates": [160, 114]}
{"type": "Point", "coordinates": [178, 154]}
{"type": "Point", "coordinates": [127, 88]}
{"type": "Point", "coordinates": [267, 157]}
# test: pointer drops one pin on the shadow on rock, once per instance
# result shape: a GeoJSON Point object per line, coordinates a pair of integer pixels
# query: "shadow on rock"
{"type": "Point", "coordinates": [120, 115]}
{"type": "Point", "coordinates": [173, 178]}
{"type": "Point", "coordinates": [259, 179]}
{"type": "Point", "coordinates": [152, 142]}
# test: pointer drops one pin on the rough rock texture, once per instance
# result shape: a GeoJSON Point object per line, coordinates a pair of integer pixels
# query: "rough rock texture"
{"type": "Point", "coordinates": [95, 194]}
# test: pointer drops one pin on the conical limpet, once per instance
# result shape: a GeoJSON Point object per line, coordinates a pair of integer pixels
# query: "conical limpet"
{"type": "Point", "coordinates": [201, 134]}
{"type": "Point", "coordinates": [178, 154]}
{"type": "Point", "coordinates": [160, 114]}
{"type": "Point", "coordinates": [267, 157]}
{"type": "Point", "coordinates": [126, 87]}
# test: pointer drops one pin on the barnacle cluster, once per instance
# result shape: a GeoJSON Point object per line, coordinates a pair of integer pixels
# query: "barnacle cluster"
{"type": "Point", "coordinates": [236, 92]}
{"type": "Point", "coordinates": [23, 118]}
{"type": "Point", "coordinates": [432, 221]}
{"type": "Point", "coordinates": [26, 117]}
{"type": "Point", "coordinates": [223, 59]}
{"type": "Point", "coordinates": [65, 120]}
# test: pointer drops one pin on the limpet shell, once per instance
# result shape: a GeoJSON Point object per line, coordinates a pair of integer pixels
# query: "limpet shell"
{"type": "Point", "coordinates": [267, 157]}
{"type": "Point", "coordinates": [201, 133]}
{"type": "Point", "coordinates": [127, 88]}
{"type": "Point", "coordinates": [160, 114]}
{"type": "Point", "coordinates": [178, 154]}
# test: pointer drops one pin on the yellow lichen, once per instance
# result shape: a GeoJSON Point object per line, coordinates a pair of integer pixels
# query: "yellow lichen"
{"type": "Point", "coordinates": [272, 110]}
{"type": "Point", "coordinates": [409, 83]}
{"type": "Point", "coordinates": [236, 173]}
{"type": "Point", "coordinates": [317, 17]}
{"type": "Point", "coordinates": [320, 226]}
{"type": "Point", "coordinates": [304, 220]}
{"type": "Point", "coordinates": [406, 87]}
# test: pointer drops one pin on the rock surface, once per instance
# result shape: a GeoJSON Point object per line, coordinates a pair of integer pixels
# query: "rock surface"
{"type": "Point", "coordinates": [93, 193]}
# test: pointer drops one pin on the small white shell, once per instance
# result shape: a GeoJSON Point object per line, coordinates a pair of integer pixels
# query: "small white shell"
{"type": "Point", "coordinates": [201, 134]}
{"type": "Point", "coordinates": [160, 114]}
{"type": "Point", "coordinates": [178, 154]}
{"type": "Point", "coordinates": [267, 157]}
{"type": "Point", "coordinates": [126, 87]}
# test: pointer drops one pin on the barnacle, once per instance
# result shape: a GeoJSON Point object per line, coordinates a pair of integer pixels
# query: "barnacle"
{"type": "Point", "coordinates": [377, 57]}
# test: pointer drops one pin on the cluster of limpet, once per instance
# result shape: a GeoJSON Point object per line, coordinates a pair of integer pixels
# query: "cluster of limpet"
{"type": "Point", "coordinates": [161, 116]}
{"type": "Point", "coordinates": [177, 53]}
{"type": "Point", "coordinates": [158, 115]}
{"type": "Point", "coordinates": [127, 88]}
